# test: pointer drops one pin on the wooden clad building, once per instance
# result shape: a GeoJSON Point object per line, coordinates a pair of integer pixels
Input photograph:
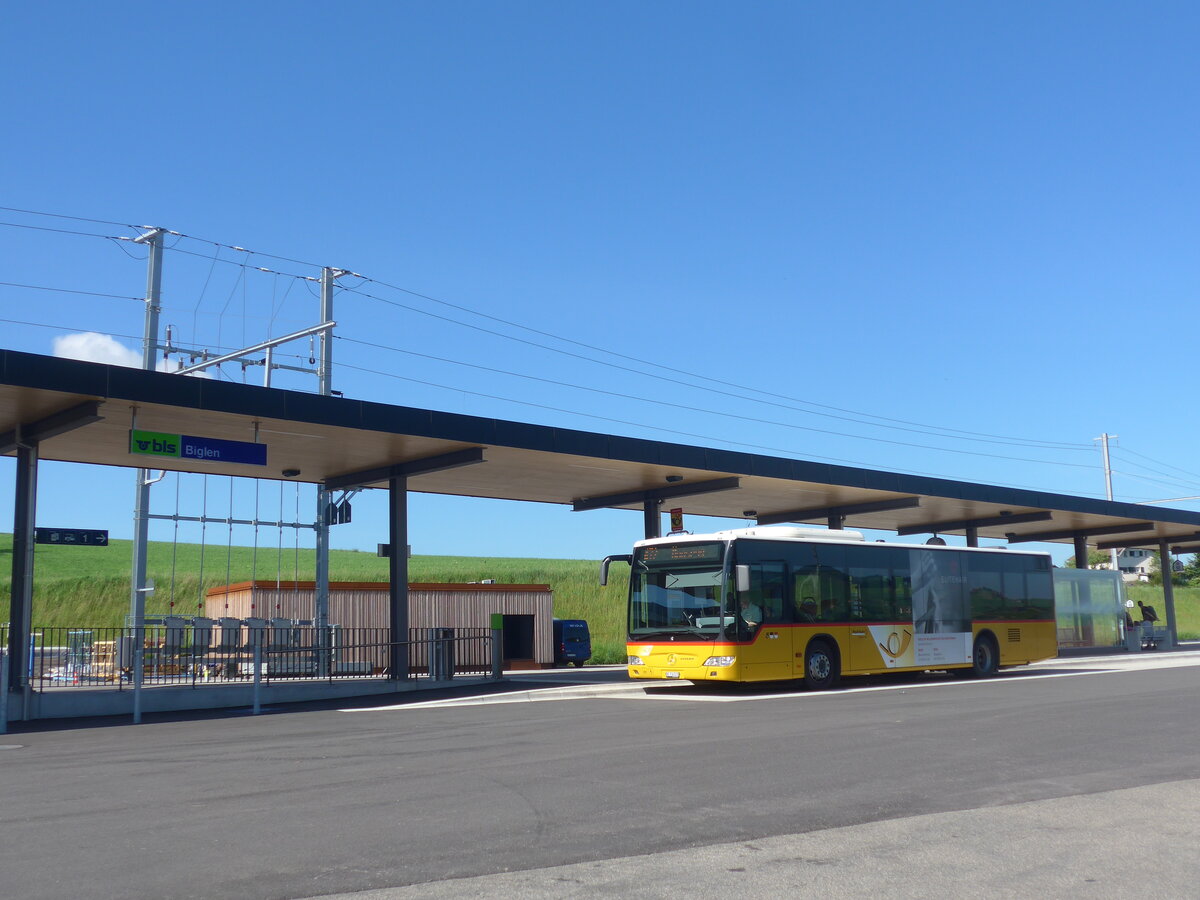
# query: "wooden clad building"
{"type": "Point", "coordinates": [528, 609]}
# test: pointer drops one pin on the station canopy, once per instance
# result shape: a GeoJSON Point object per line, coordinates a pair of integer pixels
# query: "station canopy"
{"type": "Point", "coordinates": [87, 412]}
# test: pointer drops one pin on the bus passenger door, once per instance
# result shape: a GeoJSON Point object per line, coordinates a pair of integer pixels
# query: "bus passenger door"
{"type": "Point", "coordinates": [863, 652]}
{"type": "Point", "coordinates": [769, 654]}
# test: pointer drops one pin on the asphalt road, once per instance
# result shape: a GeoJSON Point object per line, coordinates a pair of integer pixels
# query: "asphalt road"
{"type": "Point", "coordinates": [1043, 781]}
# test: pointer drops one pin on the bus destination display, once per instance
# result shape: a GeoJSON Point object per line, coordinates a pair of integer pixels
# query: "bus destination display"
{"type": "Point", "coordinates": [693, 553]}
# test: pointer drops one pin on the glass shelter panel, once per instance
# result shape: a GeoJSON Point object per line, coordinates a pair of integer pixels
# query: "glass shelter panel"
{"type": "Point", "coordinates": [1090, 608]}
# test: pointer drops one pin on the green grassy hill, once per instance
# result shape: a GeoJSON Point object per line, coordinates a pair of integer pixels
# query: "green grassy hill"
{"type": "Point", "coordinates": [89, 586]}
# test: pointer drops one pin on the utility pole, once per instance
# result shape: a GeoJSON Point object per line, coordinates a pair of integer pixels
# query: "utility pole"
{"type": "Point", "coordinates": [324, 388]}
{"type": "Point", "coordinates": [137, 597]}
{"type": "Point", "coordinates": [1104, 439]}
{"type": "Point", "coordinates": [153, 239]}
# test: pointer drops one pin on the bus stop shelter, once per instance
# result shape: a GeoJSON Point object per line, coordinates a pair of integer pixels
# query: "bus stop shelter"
{"type": "Point", "coordinates": [58, 409]}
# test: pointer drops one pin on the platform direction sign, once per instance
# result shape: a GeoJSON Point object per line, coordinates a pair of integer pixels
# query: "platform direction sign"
{"type": "Point", "coordinates": [189, 446]}
{"type": "Point", "coordinates": [78, 537]}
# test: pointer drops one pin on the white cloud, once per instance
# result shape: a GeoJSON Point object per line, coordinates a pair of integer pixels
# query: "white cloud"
{"type": "Point", "coordinates": [90, 346]}
{"type": "Point", "coordinates": [93, 347]}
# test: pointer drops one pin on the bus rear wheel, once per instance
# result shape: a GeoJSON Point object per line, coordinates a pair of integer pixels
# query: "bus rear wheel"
{"type": "Point", "coordinates": [985, 659]}
{"type": "Point", "coordinates": [821, 668]}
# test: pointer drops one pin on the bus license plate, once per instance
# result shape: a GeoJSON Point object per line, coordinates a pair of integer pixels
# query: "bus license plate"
{"type": "Point", "coordinates": [670, 674]}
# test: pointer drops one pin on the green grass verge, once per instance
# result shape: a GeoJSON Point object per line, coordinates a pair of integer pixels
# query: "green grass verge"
{"type": "Point", "coordinates": [89, 586]}
{"type": "Point", "coordinates": [1187, 607]}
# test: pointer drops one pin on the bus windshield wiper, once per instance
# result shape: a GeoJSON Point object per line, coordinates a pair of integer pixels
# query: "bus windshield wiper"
{"type": "Point", "coordinates": [674, 634]}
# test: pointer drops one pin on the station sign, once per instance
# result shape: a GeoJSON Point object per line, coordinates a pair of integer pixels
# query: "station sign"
{"type": "Point", "coordinates": [188, 446]}
{"type": "Point", "coordinates": [75, 537]}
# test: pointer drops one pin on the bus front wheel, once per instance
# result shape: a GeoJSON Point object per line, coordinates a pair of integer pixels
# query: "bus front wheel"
{"type": "Point", "coordinates": [985, 658]}
{"type": "Point", "coordinates": [821, 669]}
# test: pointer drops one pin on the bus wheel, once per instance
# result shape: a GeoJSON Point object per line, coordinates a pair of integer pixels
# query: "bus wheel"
{"type": "Point", "coordinates": [821, 670]}
{"type": "Point", "coordinates": [985, 658]}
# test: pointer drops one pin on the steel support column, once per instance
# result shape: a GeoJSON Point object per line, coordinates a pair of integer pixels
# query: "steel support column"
{"type": "Point", "coordinates": [1081, 552]}
{"type": "Point", "coordinates": [398, 573]}
{"type": "Point", "coordinates": [972, 536]}
{"type": "Point", "coordinates": [1084, 589]}
{"type": "Point", "coordinates": [1164, 558]}
{"type": "Point", "coordinates": [652, 512]}
{"type": "Point", "coordinates": [21, 600]}
{"type": "Point", "coordinates": [836, 522]}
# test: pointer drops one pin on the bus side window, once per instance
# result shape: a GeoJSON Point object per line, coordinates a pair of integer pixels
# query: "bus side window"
{"type": "Point", "coordinates": [880, 579]}
{"type": "Point", "coordinates": [769, 576]}
{"type": "Point", "coordinates": [833, 583]}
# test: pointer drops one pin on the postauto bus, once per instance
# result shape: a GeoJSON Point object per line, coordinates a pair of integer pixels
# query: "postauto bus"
{"type": "Point", "coordinates": [770, 603]}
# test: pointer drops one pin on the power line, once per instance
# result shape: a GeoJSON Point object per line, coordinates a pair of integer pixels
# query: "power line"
{"type": "Point", "coordinates": [218, 244]}
{"type": "Point", "coordinates": [705, 437]}
{"type": "Point", "coordinates": [964, 436]}
{"type": "Point", "coordinates": [204, 289]}
{"type": "Point", "coordinates": [1172, 480]}
{"type": "Point", "coordinates": [920, 427]}
{"type": "Point", "coordinates": [1175, 479]}
{"type": "Point", "coordinates": [40, 287]}
{"type": "Point", "coordinates": [696, 409]}
{"type": "Point", "coordinates": [1172, 483]}
{"type": "Point", "coordinates": [61, 230]}
{"type": "Point", "coordinates": [120, 244]}
{"type": "Point", "coordinates": [179, 346]}
{"type": "Point", "coordinates": [71, 329]}
{"type": "Point", "coordinates": [853, 416]}
{"type": "Point", "coordinates": [34, 212]}
{"type": "Point", "coordinates": [178, 234]}
{"type": "Point", "coordinates": [1125, 450]}
{"type": "Point", "coordinates": [234, 262]}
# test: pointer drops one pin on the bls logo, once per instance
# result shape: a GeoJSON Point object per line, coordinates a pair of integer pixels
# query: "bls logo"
{"type": "Point", "coordinates": [156, 446]}
{"type": "Point", "coordinates": [155, 443]}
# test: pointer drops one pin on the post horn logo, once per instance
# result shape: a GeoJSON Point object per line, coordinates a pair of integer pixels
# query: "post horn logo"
{"type": "Point", "coordinates": [896, 645]}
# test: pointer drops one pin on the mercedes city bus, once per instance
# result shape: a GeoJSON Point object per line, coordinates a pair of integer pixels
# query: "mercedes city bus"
{"type": "Point", "coordinates": [769, 603]}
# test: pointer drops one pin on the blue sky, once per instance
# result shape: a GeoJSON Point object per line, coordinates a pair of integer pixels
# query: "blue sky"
{"type": "Point", "coordinates": [970, 217]}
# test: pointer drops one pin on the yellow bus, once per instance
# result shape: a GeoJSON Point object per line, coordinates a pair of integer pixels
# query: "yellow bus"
{"type": "Point", "coordinates": [773, 603]}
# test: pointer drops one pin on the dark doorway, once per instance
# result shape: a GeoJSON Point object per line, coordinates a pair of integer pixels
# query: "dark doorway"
{"type": "Point", "coordinates": [518, 639]}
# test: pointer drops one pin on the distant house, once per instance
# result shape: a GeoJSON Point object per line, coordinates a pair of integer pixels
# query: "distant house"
{"type": "Point", "coordinates": [1136, 565]}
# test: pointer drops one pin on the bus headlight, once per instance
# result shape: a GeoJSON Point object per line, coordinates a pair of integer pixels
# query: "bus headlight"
{"type": "Point", "coordinates": [719, 662]}
{"type": "Point", "coordinates": [635, 661]}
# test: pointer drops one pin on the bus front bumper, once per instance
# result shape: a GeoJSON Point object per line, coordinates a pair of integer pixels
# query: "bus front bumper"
{"type": "Point", "coordinates": [693, 664]}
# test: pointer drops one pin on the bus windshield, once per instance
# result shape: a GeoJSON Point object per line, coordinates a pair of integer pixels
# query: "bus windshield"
{"type": "Point", "coordinates": [676, 591]}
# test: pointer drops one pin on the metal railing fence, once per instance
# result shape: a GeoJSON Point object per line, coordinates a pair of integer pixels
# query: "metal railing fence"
{"type": "Point", "coordinates": [198, 651]}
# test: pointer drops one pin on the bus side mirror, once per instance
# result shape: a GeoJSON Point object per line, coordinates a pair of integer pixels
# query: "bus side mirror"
{"type": "Point", "coordinates": [741, 577]}
{"type": "Point", "coordinates": [624, 557]}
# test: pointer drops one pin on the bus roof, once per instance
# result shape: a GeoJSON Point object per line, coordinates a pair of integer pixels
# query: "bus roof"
{"type": "Point", "coordinates": [825, 535]}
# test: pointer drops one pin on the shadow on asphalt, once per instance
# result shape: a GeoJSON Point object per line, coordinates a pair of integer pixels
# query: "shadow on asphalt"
{"type": "Point", "coordinates": [240, 712]}
{"type": "Point", "coordinates": [779, 688]}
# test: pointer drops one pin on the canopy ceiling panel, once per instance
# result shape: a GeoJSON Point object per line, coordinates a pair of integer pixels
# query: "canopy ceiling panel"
{"type": "Point", "coordinates": [327, 437]}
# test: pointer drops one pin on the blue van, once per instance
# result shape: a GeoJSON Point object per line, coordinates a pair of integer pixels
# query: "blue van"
{"type": "Point", "coordinates": [572, 642]}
